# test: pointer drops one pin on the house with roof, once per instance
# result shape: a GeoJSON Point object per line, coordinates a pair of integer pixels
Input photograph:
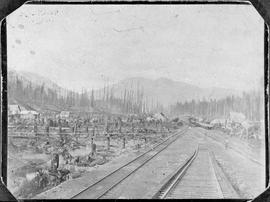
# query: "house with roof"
{"type": "Point", "coordinates": [14, 110]}
{"type": "Point", "coordinates": [29, 114]}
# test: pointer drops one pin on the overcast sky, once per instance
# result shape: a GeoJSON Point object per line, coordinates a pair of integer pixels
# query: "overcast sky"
{"type": "Point", "coordinates": [83, 46]}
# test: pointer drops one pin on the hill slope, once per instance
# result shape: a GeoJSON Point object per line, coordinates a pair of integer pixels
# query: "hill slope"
{"type": "Point", "coordinates": [167, 91]}
{"type": "Point", "coordinates": [163, 90]}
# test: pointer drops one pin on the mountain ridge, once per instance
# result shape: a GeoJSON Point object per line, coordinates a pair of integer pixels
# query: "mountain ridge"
{"type": "Point", "coordinates": [165, 90]}
{"type": "Point", "coordinates": [169, 92]}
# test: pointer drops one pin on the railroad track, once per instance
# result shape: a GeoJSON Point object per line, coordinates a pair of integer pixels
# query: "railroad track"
{"type": "Point", "coordinates": [198, 177]}
{"type": "Point", "coordinates": [110, 181]}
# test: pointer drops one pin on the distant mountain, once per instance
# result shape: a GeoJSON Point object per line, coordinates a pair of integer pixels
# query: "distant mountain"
{"type": "Point", "coordinates": [27, 94]}
{"type": "Point", "coordinates": [34, 78]}
{"type": "Point", "coordinates": [167, 91]}
{"type": "Point", "coordinates": [163, 90]}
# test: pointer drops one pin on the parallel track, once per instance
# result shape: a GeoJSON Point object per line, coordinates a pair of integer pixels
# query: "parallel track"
{"type": "Point", "coordinates": [196, 178]}
{"type": "Point", "coordinates": [104, 185]}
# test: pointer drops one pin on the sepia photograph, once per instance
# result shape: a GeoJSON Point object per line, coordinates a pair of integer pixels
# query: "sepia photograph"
{"type": "Point", "coordinates": [135, 101]}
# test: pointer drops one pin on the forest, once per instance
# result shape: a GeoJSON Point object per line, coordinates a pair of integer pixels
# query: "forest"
{"type": "Point", "coordinates": [251, 104]}
{"type": "Point", "coordinates": [28, 94]}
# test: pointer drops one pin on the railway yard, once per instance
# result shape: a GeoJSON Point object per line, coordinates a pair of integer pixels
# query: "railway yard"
{"type": "Point", "coordinates": [187, 164]}
{"type": "Point", "coordinates": [120, 160]}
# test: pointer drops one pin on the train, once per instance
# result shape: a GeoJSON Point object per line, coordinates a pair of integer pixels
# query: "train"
{"type": "Point", "coordinates": [196, 123]}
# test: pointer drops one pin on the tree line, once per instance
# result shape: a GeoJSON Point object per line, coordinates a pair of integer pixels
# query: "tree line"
{"type": "Point", "coordinates": [251, 104]}
{"type": "Point", "coordinates": [129, 100]}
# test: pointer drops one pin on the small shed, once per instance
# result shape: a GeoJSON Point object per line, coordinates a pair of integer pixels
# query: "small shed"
{"type": "Point", "coordinates": [160, 117]}
{"type": "Point", "coordinates": [14, 109]}
{"type": "Point", "coordinates": [65, 114]}
{"type": "Point", "coordinates": [29, 114]}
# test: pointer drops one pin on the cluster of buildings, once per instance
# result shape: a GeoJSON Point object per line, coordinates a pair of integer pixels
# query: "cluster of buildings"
{"type": "Point", "coordinates": [16, 111]}
{"type": "Point", "coordinates": [237, 124]}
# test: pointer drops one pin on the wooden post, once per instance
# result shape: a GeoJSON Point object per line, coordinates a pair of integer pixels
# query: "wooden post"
{"type": "Point", "coordinates": [124, 142]}
{"type": "Point", "coordinates": [75, 131]}
{"type": "Point", "coordinates": [92, 136]}
{"type": "Point", "coordinates": [120, 125]}
{"type": "Point", "coordinates": [94, 130]}
{"type": "Point", "coordinates": [145, 140]}
{"type": "Point", "coordinates": [60, 134]}
{"type": "Point", "coordinates": [93, 149]}
{"type": "Point", "coordinates": [35, 131]}
{"type": "Point", "coordinates": [35, 128]}
{"type": "Point", "coordinates": [47, 130]}
{"type": "Point", "coordinates": [92, 140]}
{"type": "Point", "coordinates": [108, 141]}
{"type": "Point", "coordinates": [60, 130]}
{"type": "Point", "coordinates": [107, 133]}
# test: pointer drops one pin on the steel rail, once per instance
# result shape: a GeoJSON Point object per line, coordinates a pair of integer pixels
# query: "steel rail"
{"type": "Point", "coordinates": [129, 163]}
{"type": "Point", "coordinates": [147, 160]}
{"type": "Point", "coordinates": [176, 177]}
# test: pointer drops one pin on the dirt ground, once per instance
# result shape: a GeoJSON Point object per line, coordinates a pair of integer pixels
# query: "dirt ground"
{"type": "Point", "coordinates": [24, 160]}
